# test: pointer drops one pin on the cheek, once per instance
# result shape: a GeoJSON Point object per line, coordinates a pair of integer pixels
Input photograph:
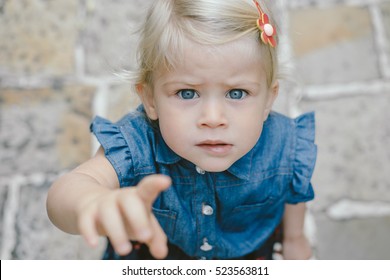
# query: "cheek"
{"type": "Point", "coordinates": [251, 127]}
{"type": "Point", "coordinates": [172, 126]}
{"type": "Point", "coordinates": [253, 134]}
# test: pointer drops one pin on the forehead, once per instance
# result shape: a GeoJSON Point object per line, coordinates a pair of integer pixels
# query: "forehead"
{"type": "Point", "coordinates": [241, 57]}
{"type": "Point", "coordinates": [245, 49]}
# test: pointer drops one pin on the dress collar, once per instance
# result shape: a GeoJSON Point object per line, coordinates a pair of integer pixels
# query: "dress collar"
{"type": "Point", "coordinates": [242, 167]}
{"type": "Point", "coordinates": [164, 154]}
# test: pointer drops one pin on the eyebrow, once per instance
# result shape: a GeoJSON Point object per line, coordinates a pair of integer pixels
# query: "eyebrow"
{"type": "Point", "coordinates": [181, 82]}
{"type": "Point", "coordinates": [228, 84]}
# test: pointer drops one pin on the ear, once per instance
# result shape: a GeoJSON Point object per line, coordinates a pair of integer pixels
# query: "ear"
{"type": "Point", "coordinates": [272, 94]}
{"type": "Point", "coordinates": [145, 93]}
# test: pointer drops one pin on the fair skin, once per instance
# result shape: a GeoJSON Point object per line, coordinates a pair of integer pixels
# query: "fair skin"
{"type": "Point", "coordinates": [212, 103]}
{"type": "Point", "coordinates": [203, 106]}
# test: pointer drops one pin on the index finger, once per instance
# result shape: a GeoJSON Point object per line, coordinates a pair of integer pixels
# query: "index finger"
{"type": "Point", "coordinates": [151, 186]}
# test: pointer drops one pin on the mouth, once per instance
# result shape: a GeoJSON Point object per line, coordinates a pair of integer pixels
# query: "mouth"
{"type": "Point", "coordinates": [215, 146]}
{"type": "Point", "coordinates": [212, 143]}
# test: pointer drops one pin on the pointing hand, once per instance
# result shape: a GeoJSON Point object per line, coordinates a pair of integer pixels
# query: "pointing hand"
{"type": "Point", "coordinates": [126, 214]}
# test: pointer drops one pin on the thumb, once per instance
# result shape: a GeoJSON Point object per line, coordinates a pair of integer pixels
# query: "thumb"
{"type": "Point", "coordinates": [151, 186]}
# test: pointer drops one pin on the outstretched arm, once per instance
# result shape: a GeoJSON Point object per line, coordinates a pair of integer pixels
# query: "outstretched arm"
{"type": "Point", "coordinates": [295, 243]}
{"type": "Point", "coordinates": [88, 201]}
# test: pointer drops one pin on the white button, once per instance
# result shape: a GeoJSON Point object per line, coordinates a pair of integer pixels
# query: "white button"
{"type": "Point", "coordinates": [207, 210]}
{"type": "Point", "coordinates": [206, 246]}
{"type": "Point", "coordinates": [200, 170]}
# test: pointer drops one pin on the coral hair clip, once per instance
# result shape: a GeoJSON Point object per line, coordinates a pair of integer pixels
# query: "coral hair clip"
{"type": "Point", "coordinates": [267, 30]}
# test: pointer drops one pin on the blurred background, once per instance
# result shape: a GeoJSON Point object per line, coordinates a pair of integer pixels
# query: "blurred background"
{"type": "Point", "coordinates": [58, 66]}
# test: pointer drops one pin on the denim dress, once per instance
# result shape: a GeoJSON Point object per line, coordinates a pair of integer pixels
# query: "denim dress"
{"type": "Point", "coordinates": [215, 215]}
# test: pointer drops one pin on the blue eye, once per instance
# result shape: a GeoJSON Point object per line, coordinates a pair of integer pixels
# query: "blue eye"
{"type": "Point", "coordinates": [187, 94]}
{"type": "Point", "coordinates": [236, 94]}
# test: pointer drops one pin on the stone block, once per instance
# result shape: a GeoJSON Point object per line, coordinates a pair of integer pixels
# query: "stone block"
{"type": "Point", "coordinates": [352, 135]}
{"type": "Point", "coordinates": [45, 129]}
{"type": "Point", "coordinates": [356, 239]}
{"type": "Point", "coordinates": [38, 37]}
{"type": "Point", "coordinates": [333, 45]}
{"type": "Point", "coordinates": [108, 39]}
{"type": "Point", "coordinates": [35, 236]}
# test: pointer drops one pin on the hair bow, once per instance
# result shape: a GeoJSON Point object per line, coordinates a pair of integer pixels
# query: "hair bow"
{"type": "Point", "coordinates": [268, 31]}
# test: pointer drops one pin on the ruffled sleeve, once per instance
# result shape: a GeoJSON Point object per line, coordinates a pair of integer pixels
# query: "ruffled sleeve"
{"type": "Point", "coordinates": [301, 189]}
{"type": "Point", "coordinates": [116, 149]}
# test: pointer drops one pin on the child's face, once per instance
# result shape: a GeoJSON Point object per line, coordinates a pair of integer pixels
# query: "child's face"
{"type": "Point", "coordinates": [212, 106]}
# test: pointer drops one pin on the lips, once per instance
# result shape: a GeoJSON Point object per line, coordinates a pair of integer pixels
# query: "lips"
{"type": "Point", "coordinates": [216, 147]}
{"type": "Point", "coordinates": [212, 142]}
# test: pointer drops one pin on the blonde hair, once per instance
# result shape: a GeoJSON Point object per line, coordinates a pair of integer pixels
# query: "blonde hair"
{"type": "Point", "coordinates": [209, 22]}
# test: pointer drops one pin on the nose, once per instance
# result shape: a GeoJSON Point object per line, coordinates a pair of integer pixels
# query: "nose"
{"type": "Point", "coordinates": [213, 115]}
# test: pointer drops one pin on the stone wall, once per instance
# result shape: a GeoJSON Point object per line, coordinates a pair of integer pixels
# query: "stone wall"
{"type": "Point", "coordinates": [58, 66]}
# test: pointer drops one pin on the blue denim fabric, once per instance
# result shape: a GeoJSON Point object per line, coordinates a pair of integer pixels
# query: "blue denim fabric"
{"type": "Point", "coordinates": [247, 199]}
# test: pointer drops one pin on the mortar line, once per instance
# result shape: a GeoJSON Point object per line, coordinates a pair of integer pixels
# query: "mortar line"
{"type": "Point", "coordinates": [8, 241]}
{"type": "Point", "coordinates": [351, 208]}
{"type": "Point", "coordinates": [79, 52]}
{"type": "Point", "coordinates": [381, 42]}
{"type": "Point", "coordinates": [325, 92]}
{"type": "Point", "coordinates": [286, 59]}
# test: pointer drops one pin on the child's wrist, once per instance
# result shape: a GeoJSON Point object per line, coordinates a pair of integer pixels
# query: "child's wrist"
{"type": "Point", "coordinates": [293, 236]}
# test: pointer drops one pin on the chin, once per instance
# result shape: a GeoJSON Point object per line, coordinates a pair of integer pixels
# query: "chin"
{"type": "Point", "coordinates": [215, 167]}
